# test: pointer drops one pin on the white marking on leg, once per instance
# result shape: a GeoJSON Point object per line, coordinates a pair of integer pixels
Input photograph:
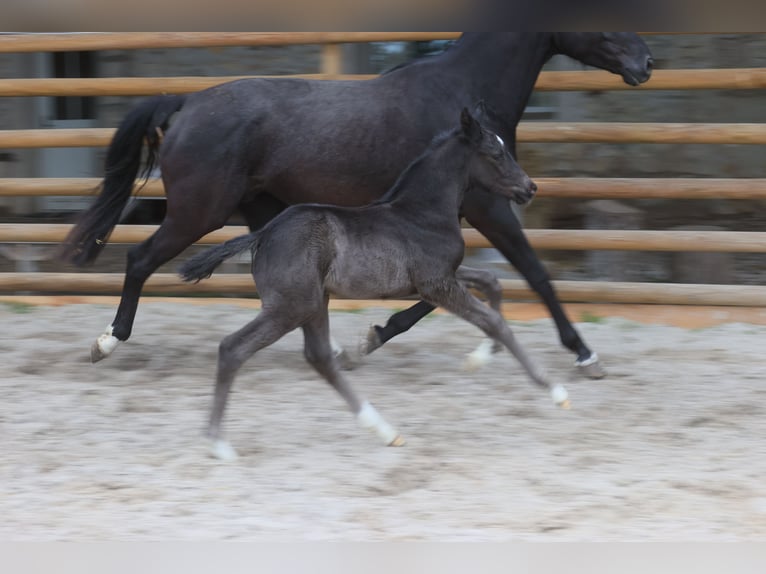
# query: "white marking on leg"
{"type": "Point", "coordinates": [560, 396]}
{"type": "Point", "coordinates": [222, 450]}
{"type": "Point", "coordinates": [337, 350]}
{"type": "Point", "coordinates": [481, 356]}
{"type": "Point", "coordinates": [370, 419]}
{"type": "Point", "coordinates": [107, 342]}
{"type": "Point", "coordinates": [587, 362]}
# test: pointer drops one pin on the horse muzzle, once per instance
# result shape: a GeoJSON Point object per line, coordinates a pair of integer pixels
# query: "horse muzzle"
{"type": "Point", "coordinates": [633, 76]}
{"type": "Point", "coordinates": [524, 194]}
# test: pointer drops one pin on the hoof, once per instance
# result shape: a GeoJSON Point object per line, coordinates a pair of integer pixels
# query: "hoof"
{"type": "Point", "coordinates": [96, 354]}
{"type": "Point", "coordinates": [560, 396]}
{"type": "Point", "coordinates": [372, 342]}
{"type": "Point", "coordinates": [398, 441]}
{"type": "Point", "coordinates": [345, 361]}
{"type": "Point", "coordinates": [104, 346]}
{"type": "Point", "coordinates": [591, 367]}
{"type": "Point", "coordinates": [480, 357]}
{"type": "Point", "coordinates": [223, 451]}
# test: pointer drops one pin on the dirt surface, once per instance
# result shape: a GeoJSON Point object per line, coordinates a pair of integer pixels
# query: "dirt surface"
{"type": "Point", "coordinates": [670, 446]}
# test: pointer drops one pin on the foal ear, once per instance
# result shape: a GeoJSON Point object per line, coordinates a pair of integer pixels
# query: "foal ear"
{"type": "Point", "coordinates": [480, 110]}
{"type": "Point", "coordinates": [471, 127]}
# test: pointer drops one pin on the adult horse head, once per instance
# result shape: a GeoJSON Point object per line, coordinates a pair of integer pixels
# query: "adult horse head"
{"type": "Point", "coordinates": [622, 53]}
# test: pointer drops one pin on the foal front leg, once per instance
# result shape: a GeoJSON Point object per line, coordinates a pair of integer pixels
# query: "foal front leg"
{"type": "Point", "coordinates": [454, 297]}
{"type": "Point", "coordinates": [268, 327]}
{"type": "Point", "coordinates": [487, 283]}
{"type": "Point", "coordinates": [320, 355]}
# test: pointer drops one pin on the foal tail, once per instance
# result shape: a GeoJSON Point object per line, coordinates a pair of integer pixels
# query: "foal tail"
{"type": "Point", "coordinates": [202, 265]}
{"type": "Point", "coordinates": [123, 160]}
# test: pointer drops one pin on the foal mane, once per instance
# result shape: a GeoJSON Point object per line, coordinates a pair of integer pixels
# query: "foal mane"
{"type": "Point", "coordinates": [406, 174]}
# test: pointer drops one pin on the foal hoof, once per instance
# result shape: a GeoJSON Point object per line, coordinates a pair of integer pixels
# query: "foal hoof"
{"type": "Point", "coordinates": [345, 361]}
{"type": "Point", "coordinates": [223, 451]}
{"type": "Point", "coordinates": [398, 441]}
{"type": "Point", "coordinates": [560, 396]}
{"type": "Point", "coordinates": [480, 357]}
{"type": "Point", "coordinates": [591, 367]}
{"type": "Point", "coordinates": [372, 341]}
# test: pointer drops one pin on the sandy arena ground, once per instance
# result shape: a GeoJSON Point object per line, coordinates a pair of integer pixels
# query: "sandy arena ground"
{"type": "Point", "coordinates": [670, 446]}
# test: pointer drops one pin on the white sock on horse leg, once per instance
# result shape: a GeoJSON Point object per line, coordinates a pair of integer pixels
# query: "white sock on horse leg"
{"type": "Point", "coordinates": [370, 419]}
{"type": "Point", "coordinates": [337, 350]}
{"type": "Point", "coordinates": [481, 356]}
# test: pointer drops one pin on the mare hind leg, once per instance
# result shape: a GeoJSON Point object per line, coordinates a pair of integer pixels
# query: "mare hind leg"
{"type": "Point", "coordinates": [397, 324]}
{"type": "Point", "coordinates": [268, 327]}
{"type": "Point", "coordinates": [320, 355]}
{"type": "Point", "coordinates": [484, 281]}
{"type": "Point", "coordinates": [454, 297]}
{"type": "Point", "coordinates": [184, 224]}
{"type": "Point", "coordinates": [143, 259]}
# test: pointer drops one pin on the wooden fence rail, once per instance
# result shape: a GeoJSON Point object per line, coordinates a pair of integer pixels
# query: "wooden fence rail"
{"type": "Point", "coordinates": [17, 43]}
{"type": "Point", "coordinates": [553, 239]}
{"type": "Point", "coordinates": [700, 79]}
{"type": "Point", "coordinates": [530, 132]}
{"type": "Point", "coordinates": [238, 284]}
{"type": "Point", "coordinates": [559, 187]}
{"type": "Point", "coordinates": [539, 132]}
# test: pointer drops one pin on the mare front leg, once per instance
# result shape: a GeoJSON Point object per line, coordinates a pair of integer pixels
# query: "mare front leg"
{"type": "Point", "coordinates": [320, 355]}
{"type": "Point", "coordinates": [454, 297]}
{"type": "Point", "coordinates": [143, 259]}
{"type": "Point", "coordinates": [492, 215]}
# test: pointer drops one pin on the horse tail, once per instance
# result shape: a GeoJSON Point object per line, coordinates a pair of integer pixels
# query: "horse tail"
{"type": "Point", "coordinates": [144, 123]}
{"type": "Point", "coordinates": [202, 265]}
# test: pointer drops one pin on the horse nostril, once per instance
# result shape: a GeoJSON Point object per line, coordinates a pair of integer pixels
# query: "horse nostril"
{"type": "Point", "coordinates": [532, 187]}
{"type": "Point", "coordinates": [649, 63]}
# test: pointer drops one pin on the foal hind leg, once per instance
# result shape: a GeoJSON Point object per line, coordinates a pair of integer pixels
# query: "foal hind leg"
{"type": "Point", "coordinates": [487, 283]}
{"type": "Point", "coordinates": [320, 355]}
{"type": "Point", "coordinates": [268, 327]}
{"type": "Point", "coordinates": [454, 297]}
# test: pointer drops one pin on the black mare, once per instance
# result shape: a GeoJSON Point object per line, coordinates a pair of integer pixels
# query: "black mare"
{"type": "Point", "coordinates": [407, 242]}
{"type": "Point", "coordinates": [258, 145]}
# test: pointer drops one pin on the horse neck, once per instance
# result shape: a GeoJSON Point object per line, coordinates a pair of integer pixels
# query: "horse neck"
{"type": "Point", "coordinates": [433, 185]}
{"type": "Point", "coordinates": [500, 68]}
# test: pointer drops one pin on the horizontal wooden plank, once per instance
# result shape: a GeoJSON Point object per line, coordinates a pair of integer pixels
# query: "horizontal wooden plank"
{"type": "Point", "coordinates": [554, 239]}
{"type": "Point", "coordinates": [563, 187]}
{"type": "Point", "coordinates": [568, 291]}
{"type": "Point", "coordinates": [595, 80]}
{"type": "Point", "coordinates": [15, 43]}
{"type": "Point", "coordinates": [530, 132]}
{"type": "Point", "coordinates": [685, 316]}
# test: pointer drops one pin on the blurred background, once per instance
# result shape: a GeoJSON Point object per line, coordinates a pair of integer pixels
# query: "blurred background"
{"type": "Point", "coordinates": [623, 160]}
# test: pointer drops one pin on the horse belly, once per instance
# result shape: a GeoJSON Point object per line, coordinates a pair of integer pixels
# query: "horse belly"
{"type": "Point", "coordinates": [369, 279]}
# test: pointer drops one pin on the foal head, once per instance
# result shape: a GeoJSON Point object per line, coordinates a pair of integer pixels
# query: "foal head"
{"type": "Point", "coordinates": [491, 166]}
{"type": "Point", "coordinates": [622, 53]}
